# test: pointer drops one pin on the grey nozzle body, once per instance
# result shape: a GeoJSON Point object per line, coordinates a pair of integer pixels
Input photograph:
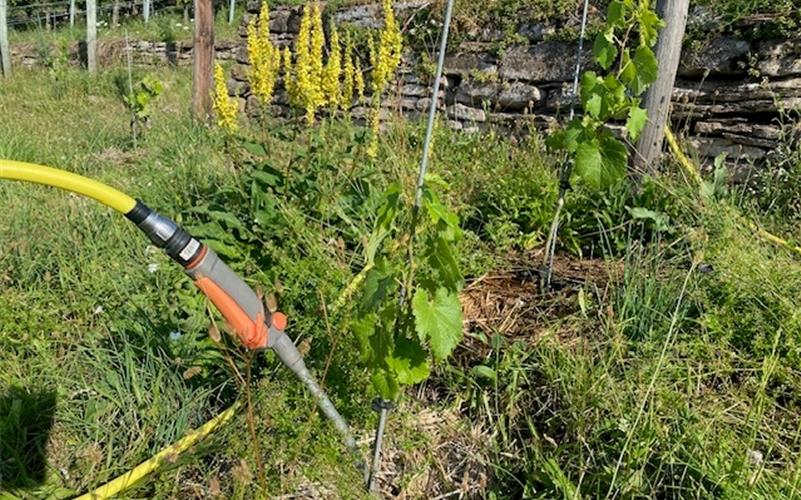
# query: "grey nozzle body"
{"type": "Point", "coordinates": [291, 357]}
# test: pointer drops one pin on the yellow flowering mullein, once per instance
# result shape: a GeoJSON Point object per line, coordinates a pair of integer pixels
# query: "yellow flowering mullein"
{"type": "Point", "coordinates": [348, 73]}
{"type": "Point", "coordinates": [264, 57]}
{"type": "Point", "coordinates": [385, 59]}
{"type": "Point", "coordinates": [358, 80]}
{"type": "Point", "coordinates": [225, 106]}
{"type": "Point", "coordinates": [307, 91]}
{"type": "Point", "coordinates": [332, 71]}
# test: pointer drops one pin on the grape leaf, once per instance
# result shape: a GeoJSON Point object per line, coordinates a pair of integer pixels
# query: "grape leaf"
{"type": "Point", "coordinates": [594, 105]}
{"type": "Point", "coordinates": [385, 384]}
{"type": "Point", "coordinates": [649, 25]}
{"type": "Point", "coordinates": [637, 119]}
{"type": "Point", "coordinates": [616, 15]}
{"type": "Point", "coordinates": [604, 49]}
{"type": "Point", "coordinates": [601, 161]}
{"type": "Point", "coordinates": [409, 362]}
{"type": "Point", "coordinates": [374, 291]}
{"type": "Point", "coordinates": [647, 69]}
{"type": "Point", "coordinates": [438, 319]}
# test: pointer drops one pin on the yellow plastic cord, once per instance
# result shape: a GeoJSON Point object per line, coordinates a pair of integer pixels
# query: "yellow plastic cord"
{"type": "Point", "coordinates": [106, 195]}
{"type": "Point", "coordinates": [167, 455]}
{"type": "Point", "coordinates": [694, 172]}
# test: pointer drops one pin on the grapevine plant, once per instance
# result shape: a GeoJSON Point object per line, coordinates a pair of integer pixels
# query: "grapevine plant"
{"type": "Point", "coordinates": [409, 308]}
{"type": "Point", "coordinates": [623, 50]}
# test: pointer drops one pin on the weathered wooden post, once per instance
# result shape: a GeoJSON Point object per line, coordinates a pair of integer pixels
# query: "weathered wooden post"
{"type": "Point", "coordinates": [72, 13]}
{"type": "Point", "coordinates": [657, 98]}
{"type": "Point", "coordinates": [146, 10]}
{"type": "Point", "coordinates": [91, 35]}
{"type": "Point", "coordinates": [231, 10]}
{"type": "Point", "coordinates": [203, 56]}
{"type": "Point", "coordinates": [5, 51]}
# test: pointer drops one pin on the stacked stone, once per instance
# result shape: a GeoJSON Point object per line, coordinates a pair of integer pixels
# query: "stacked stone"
{"type": "Point", "coordinates": [732, 95]}
{"type": "Point", "coordinates": [142, 53]}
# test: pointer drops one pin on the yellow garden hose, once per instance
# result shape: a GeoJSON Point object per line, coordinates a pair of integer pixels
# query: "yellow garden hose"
{"type": "Point", "coordinates": [16, 170]}
{"type": "Point", "coordinates": [256, 327]}
{"type": "Point", "coordinates": [167, 455]}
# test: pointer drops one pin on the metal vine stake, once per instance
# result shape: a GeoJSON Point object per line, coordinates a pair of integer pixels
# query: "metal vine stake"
{"type": "Point", "coordinates": [564, 177]}
{"type": "Point", "coordinates": [383, 406]}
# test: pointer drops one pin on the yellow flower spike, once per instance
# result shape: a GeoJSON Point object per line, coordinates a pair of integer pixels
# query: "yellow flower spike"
{"type": "Point", "coordinates": [308, 92]}
{"type": "Point", "coordinates": [225, 107]}
{"type": "Point", "coordinates": [385, 59]}
{"type": "Point", "coordinates": [333, 69]}
{"type": "Point", "coordinates": [263, 56]}
{"type": "Point", "coordinates": [358, 81]}
{"type": "Point", "coordinates": [348, 75]}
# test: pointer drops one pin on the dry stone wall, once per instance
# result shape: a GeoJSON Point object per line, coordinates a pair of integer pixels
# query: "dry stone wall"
{"type": "Point", "coordinates": [109, 52]}
{"type": "Point", "coordinates": [732, 95]}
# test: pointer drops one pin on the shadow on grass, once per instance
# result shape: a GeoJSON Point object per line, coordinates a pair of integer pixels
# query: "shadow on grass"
{"type": "Point", "coordinates": [26, 417]}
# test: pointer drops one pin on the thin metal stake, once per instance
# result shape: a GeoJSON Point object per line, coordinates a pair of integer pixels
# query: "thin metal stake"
{"type": "Point", "coordinates": [564, 177]}
{"type": "Point", "coordinates": [432, 111]}
{"type": "Point", "coordinates": [383, 406]}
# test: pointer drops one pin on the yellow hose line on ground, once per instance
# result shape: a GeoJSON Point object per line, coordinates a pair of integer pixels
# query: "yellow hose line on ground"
{"type": "Point", "coordinates": [167, 455]}
{"type": "Point", "coordinates": [106, 195]}
{"type": "Point", "coordinates": [694, 172]}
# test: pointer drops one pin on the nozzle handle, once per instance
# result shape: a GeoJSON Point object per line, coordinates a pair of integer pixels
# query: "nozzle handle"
{"type": "Point", "coordinates": [235, 300]}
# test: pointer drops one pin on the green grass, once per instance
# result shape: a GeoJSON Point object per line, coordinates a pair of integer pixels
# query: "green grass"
{"type": "Point", "coordinates": [675, 377]}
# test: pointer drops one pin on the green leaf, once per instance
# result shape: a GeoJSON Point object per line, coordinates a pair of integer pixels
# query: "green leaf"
{"type": "Point", "coordinates": [594, 105]}
{"type": "Point", "coordinates": [601, 161]}
{"type": "Point", "coordinates": [444, 263]}
{"type": "Point", "coordinates": [660, 220]}
{"type": "Point", "coordinates": [254, 148]}
{"type": "Point", "coordinates": [364, 328]}
{"type": "Point", "coordinates": [616, 14]}
{"type": "Point", "coordinates": [437, 211]}
{"type": "Point", "coordinates": [485, 372]}
{"type": "Point", "coordinates": [389, 207]}
{"type": "Point", "coordinates": [567, 139]}
{"type": "Point", "coordinates": [638, 117]}
{"type": "Point", "coordinates": [649, 25]}
{"type": "Point", "coordinates": [385, 384]}
{"type": "Point", "coordinates": [628, 72]}
{"type": "Point", "coordinates": [409, 362]}
{"type": "Point", "coordinates": [647, 69]}
{"type": "Point", "coordinates": [375, 289]}
{"type": "Point", "coordinates": [439, 320]}
{"type": "Point", "coordinates": [604, 49]}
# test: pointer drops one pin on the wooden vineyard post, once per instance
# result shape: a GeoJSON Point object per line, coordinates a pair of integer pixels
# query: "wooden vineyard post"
{"type": "Point", "coordinates": [657, 98]}
{"type": "Point", "coordinates": [91, 35]}
{"type": "Point", "coordinates": [72, 13]}
{"type": "Point", "coordinates": [203, 55]}
{"type": "Point", "coordinates": [5, 51]}
{"type": "Point", "coordinates": [231, 10]}
{"type": "Point", "coordinates": [146, 10]}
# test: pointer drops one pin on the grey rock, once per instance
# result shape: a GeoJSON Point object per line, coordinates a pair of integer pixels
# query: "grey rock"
{"type": "Point", "coordinates": [461, 112]}
{"type": "Point", "coordinates": [518, 95]}
{"type": "Point", "coordinates": [413, 90]}
{"type": "Point", "coordinates": [476, 93]}
{"type": "Point", "coordinates": [536, 32]}
{"type": "Point", "coordinates": [780, 58]}
{"type": "Point", "coordinates": [279, 19]}
{"type": "Point", "coordinates": [720, 56]}
{"type": "Point", "coordinates": [711, 147]}
{"type": "Point", "coordinates": [542, 62]}
{"type": "Point", "coordinates": [466, 62]}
